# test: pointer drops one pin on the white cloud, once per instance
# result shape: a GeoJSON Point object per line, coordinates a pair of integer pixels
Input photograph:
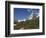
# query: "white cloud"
{"type": "Point", "coordinates": [21, 20]}
{"type": "Point", "coordinates": [28, 10]}
{"type": "Point", "coordinates": [30, 17]}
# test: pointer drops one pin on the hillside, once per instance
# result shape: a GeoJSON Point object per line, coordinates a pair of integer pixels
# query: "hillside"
{"type": "Point", "coordinates": [28, 24]}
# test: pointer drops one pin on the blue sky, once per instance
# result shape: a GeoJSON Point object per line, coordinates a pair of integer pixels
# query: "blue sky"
{"type": "Point", "coordinates": [23, 13]}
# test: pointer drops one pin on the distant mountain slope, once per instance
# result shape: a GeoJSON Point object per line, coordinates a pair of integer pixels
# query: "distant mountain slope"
{"type": "Point", "coordinates": [28, 24]}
